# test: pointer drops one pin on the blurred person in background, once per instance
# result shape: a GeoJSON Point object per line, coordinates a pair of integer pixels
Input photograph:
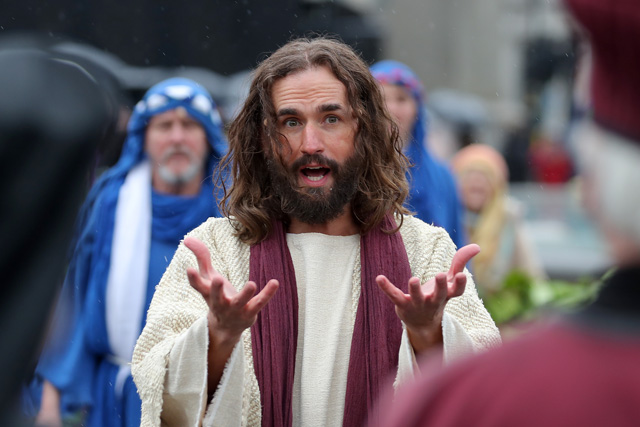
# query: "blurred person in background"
{"type": "Point", "coordinates": [130, 226]}
{"type": "Point", "coordinates": [53, 115]}
{"type": "Point", "coordinates": [493, 220]}
{"type": "Point", "coordinates": [583, 368]}
{"type": "Point", "coordinates": [433, 194]}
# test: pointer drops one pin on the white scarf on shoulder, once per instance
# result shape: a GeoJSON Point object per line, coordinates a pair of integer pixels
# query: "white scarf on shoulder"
{"type": "Point", "coordinates": [129, 268]}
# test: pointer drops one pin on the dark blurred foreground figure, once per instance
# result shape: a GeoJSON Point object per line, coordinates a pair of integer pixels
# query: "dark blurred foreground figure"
{"type": "Point", "coordinates": [129, 228]}
{"type": "Point", "coordinates": [583, 370]}
{"type": "Point", "coordinates": [295, 309]}
{"type": "Point", "coordinates": [53, 115]}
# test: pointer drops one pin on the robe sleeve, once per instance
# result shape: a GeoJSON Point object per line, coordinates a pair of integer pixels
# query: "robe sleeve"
{"type": "Point", "coordinates": [185, 387]}
{"type": "Point", "coordinates": [172, 319]}
{"type": "Point", "coordinates": [169, 363]}
{"type": "Point", "coordinates": [467, 326]}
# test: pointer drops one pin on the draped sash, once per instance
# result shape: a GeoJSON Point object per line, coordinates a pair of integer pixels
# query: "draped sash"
{"type": "Point", "coordinates": [376, 335]}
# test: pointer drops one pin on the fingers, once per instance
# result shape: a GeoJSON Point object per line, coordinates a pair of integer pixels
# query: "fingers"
{"type": "Point", "coordinates": [212, 290]}
{"type": "Point", "coordinates": [245, 295]}
{"type": "Point", "coordinates": [415, 289]}
{"type": "Point", "coordinates": [458, 286]}
{"type": "Point", "coordinates": [395, 295]}
{"type": "Point", "coordinates": [196, 282]}
{"type": "Point", "coordinates": [202, 254]}
{"type": "Point", "coordinates": [264, 296]}
{"type": "Point", "coordinates": [441, 289]}
{"type": "Point", "coordinates": [462, 257]}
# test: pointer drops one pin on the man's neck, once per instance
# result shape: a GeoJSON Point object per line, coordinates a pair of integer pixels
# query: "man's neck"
{"type": "Point", "coordinates": [344, 225]}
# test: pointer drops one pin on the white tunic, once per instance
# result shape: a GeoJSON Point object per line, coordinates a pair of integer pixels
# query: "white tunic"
{"type": "Point", "coordinates": [325, 325]}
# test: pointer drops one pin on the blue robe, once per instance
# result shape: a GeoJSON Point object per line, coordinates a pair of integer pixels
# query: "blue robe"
{"type": "Point", "coordinates": [76, 359]}
{"type": "Point", "coordinates": [434, 193]}
{"type": "Point", "coordinates": [83, 372]}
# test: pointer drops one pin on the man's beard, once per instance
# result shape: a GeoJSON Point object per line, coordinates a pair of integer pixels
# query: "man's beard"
{"type": "Point", "coordinates": [315, 205]}
{"type": "Point", "coordinates": [186, 175]}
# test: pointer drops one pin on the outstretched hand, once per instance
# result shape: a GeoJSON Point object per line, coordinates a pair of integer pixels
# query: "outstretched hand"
{"type": "Point", "coordinates": [421, 310]}
{"type": "Point", "coordinates": [230, 311]}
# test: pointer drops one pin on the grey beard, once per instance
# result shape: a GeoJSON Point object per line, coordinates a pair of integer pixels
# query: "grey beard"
{"type": "Point", "coordinates": [176, 179]}
{"type": "Point", "coordinates": [314, 205]}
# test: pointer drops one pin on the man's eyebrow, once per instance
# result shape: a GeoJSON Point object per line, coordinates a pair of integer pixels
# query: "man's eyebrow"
{"type": "Point", "coordinates": [287, 112]}
{"type": "Point", "coordinates": [325, 108]}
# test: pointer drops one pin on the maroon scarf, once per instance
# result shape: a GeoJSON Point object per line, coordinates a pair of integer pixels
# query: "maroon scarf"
{"type": "Point", "coordinates": [376, 335]}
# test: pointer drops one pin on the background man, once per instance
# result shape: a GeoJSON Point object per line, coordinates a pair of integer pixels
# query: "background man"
{"type": "Point", "coordinates": [582, 370]}
{"type": "Point", "coordinates": [130, 226]}
{"type": "Point", "coordinates": [312, 226]}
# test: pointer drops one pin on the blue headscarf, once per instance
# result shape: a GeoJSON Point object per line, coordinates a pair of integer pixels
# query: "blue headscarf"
{"type": "Point", "coordinates": [90, 262]}
{"type": "Point", "coordinates": [433, 195]}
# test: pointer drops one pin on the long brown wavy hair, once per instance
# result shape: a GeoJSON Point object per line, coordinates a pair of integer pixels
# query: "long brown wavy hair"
{"type": "Point", "coordinates": [248, 197]}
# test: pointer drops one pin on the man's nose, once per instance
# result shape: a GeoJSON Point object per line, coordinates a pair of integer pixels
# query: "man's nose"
{"type": "Point", "coordinates": [177, 133]}
{"type": "Point", "coordinates": [312, 139]}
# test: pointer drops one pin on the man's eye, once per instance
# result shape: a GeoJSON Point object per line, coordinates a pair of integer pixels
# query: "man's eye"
{"type": "Point", "coordinates": [332, 119]}
{"type": "Point", "coordinates": [291, 123]}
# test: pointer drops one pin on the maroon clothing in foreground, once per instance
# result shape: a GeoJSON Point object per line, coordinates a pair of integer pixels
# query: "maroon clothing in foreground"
{"type": "Point", "coordinates": [583, 371]}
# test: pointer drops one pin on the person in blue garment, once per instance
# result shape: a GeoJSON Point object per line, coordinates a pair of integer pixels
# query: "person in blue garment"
{"type": "Point", "coordinates": [433, 195]}
{"type": "Point", "coordinates": [128, 230]}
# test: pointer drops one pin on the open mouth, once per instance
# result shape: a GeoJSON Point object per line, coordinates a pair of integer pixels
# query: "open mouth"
{"type": "Point", "coordinates": [315, 173]}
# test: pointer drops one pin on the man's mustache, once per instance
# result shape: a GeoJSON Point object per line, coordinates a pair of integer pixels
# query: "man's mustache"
{"type": "Point", "coordinates": [318, 159]}
{"type": "Point", "coordinates": [178, 149]}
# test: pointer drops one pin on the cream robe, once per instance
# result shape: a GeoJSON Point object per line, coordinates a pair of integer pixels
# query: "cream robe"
{"type": "Point", "coordinates": [170, 360]}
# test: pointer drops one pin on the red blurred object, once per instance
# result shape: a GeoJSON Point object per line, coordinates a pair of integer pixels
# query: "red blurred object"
{"type": "Point", "coordinates": [550, 162]}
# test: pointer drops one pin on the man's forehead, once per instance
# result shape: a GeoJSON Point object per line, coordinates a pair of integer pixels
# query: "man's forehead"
{"type": "Point", "coordinates": [182, 113]}
{"type": "Point", "coordinates": [318, 85]}
{"type": "Point", "coordinates": [178, 113]}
